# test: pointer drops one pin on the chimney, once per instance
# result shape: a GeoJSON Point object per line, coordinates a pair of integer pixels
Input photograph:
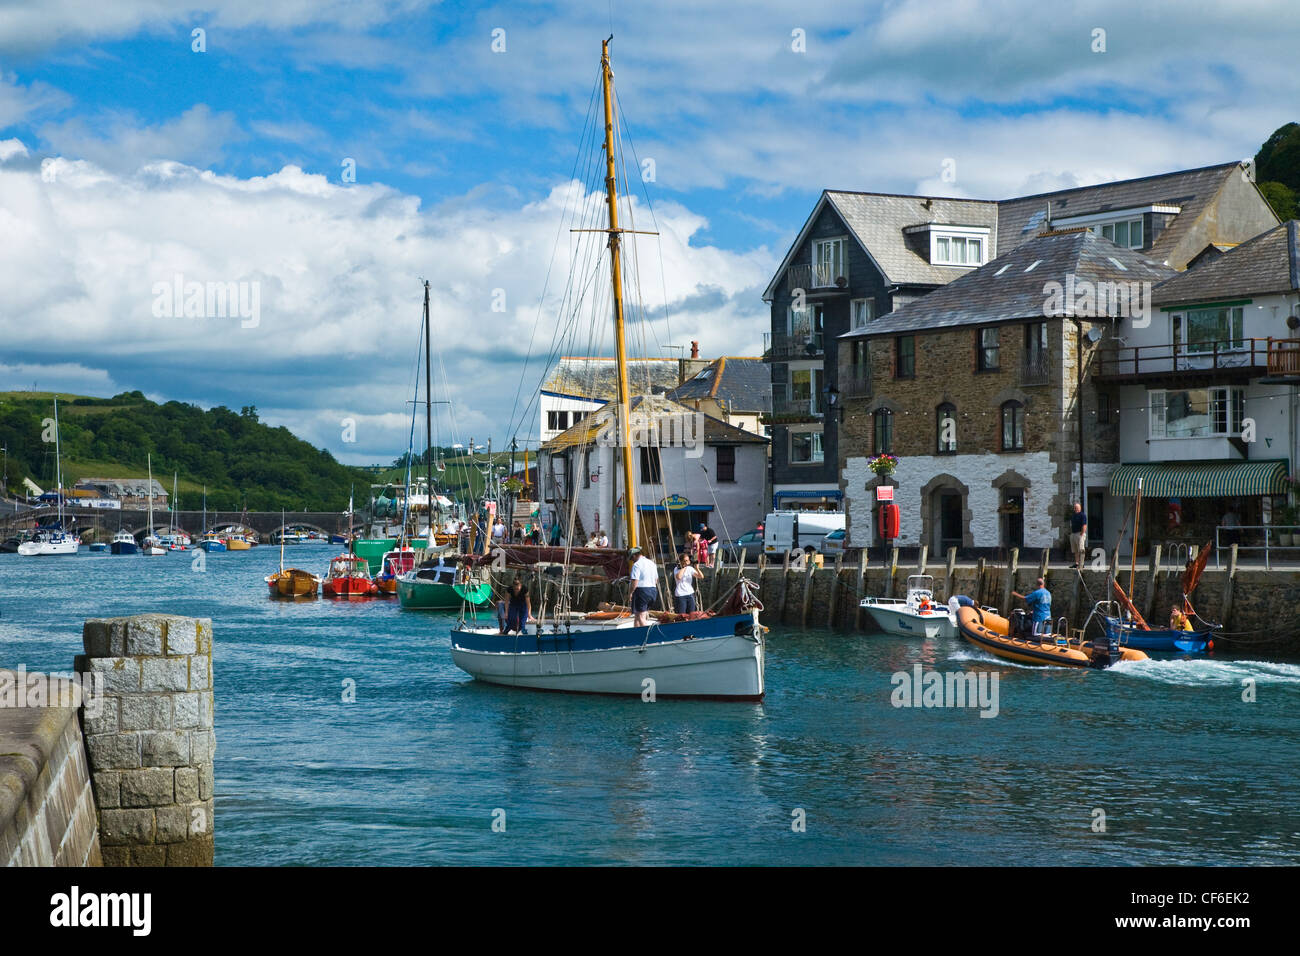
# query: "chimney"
{"type": "Point", "coordinates": [695, 349]}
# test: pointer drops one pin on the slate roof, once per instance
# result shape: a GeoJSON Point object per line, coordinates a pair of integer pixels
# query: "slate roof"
{"type": "Point", "coordinates": [1190, 189]}
{"type": "Point", "coordinates": [1269, 263]}
{"type": "Point", "coordinates": [649, 407]}
{"type": "Point", "coordinates": [1011, 287]}
{"type": "Point", "coordinates": [583, 376]}
{"type": "Point", "coordinates": [877, 220]}
{"type": "Point", "coordinates": [740, 384]}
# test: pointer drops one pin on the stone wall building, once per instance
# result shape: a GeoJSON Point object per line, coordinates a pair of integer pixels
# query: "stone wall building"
{"type": "Point", "coordinates": [976, 387]}
{"type": "Point", "coordinates": [860, 256]}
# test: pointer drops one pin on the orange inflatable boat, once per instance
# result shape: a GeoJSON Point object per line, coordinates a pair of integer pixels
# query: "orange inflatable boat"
{"type": "Point", "coordinates": [992, 632]}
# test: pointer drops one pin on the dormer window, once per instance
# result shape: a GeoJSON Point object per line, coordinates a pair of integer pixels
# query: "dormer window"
{"type": "Point", "coordinates": [957, 251]}
{"type": "Point", "coordinates": [1126, 232]}
{"type": "Point", "coordinates": [954, 245]}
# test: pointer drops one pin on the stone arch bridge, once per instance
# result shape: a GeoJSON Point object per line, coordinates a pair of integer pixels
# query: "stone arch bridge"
{"type": "Point", "coordinates": [265, 523]}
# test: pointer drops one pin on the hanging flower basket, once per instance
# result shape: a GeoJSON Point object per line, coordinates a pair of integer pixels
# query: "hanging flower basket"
{"type": "Point", "coordinates": [883, 465]}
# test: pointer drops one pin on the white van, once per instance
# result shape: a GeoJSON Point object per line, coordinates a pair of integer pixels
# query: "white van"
{"type": "Point", "coordinates": [790, 531]}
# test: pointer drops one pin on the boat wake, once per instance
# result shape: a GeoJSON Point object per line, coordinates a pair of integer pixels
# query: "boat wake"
{"type": "Point", "coordinates": [1202, 671]}
{"type": "Point", "coordinates": [983, 657]}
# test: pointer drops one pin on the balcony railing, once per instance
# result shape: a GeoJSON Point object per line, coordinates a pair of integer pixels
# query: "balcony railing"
{"type": "Point", "coordinates": [800, 343]}
{"type": "Point", "coordinates": [811, 276]}
{"type": "Point", "coordinates": [796, 408]}
{"type": "Point", "coordinates": [1035, 370]}
{"type": "Point", "coordinates": [1284, 357]}
{"type": "Point", "coordinates": [1181, 359]}
{"type": "Point", "coordinates": [856, 385]}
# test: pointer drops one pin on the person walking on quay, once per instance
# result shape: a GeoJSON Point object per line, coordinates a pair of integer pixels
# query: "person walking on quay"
{"type": "Point", "coordinates": [684, 576]}
{"type": "Point", "coordinates": [1079, 535]}
{"type": "Point", "coordinates": [645, 587]}
{"type": "Point", "coordinates": [1039, 602]}
{"type": "Point", "coordinates": [499, 532]}
{"type": "Point", "coordinates": [519, 607]}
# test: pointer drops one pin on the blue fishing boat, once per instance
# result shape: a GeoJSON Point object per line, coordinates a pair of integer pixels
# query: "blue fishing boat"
{"type": "Point", "coordinates": [1159, 639]}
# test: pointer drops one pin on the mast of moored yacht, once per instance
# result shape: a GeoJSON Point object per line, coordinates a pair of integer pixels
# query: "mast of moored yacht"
{"type": "Point", "coordinates": [58, 464]}
{"type": "Point", "coordinates": [616, 276]}
{"type": "Point", "coordinates": [428, 415]}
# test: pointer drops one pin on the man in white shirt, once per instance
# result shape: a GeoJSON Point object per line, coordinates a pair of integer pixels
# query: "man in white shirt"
{"type": "Point", "coordinates": [498, 532]}
{"type": "Point", "coordinates": [645, 587]}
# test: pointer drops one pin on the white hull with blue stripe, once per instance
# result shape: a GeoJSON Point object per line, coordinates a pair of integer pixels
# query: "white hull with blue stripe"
{"type": "Point", "coordinates": [714, 657]}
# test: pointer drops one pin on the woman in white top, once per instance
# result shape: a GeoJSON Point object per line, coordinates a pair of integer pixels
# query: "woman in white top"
{"type": "Point", "coordinates": [684, 576]}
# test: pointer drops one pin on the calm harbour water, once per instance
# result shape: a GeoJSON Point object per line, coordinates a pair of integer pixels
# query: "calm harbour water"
{"type": "Point", "coordinates": [411, 773]}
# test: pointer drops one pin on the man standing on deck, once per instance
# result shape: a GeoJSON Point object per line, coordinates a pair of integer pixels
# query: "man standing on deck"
{"type": "Point", "coordinates": [645, 587]}
{"type": "Point", "coordinates": [1039, 601]}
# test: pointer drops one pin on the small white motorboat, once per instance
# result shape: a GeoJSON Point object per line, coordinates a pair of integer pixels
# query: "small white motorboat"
{"type": "Point", "coordinates": [917, 615]}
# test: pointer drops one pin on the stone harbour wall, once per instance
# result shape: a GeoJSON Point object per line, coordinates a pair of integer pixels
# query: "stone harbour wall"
{"type": "Point", "coordinates": [151, 749]}
{"type": "Point", "coordinates": [47, 809]}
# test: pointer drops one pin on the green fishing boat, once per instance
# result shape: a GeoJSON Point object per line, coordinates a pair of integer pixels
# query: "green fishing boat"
{"type": "Point", "coordinates": [441, 587]}
{"type": "Point", "coordinates": [374, 549]}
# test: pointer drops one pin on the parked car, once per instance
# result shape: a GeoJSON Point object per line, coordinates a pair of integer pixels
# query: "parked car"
{"type": "Point", "coordinates": [833, 543]}
{"type": "Point", "coordinates": [750, 544]}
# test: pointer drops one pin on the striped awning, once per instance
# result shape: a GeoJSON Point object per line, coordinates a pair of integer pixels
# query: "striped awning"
{"type": "Point", "coordinates": [1229, 479]}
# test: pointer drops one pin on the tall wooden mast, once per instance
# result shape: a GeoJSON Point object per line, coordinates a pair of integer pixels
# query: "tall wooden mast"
{"type": "Point", "coordinates": [616, 274]}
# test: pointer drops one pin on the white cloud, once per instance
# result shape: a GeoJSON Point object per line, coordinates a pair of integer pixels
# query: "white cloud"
{"type": "Point", "coordinates": [338, 270]}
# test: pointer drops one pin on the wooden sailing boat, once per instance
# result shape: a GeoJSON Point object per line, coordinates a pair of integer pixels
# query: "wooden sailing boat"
{"type": "Point", "coordinates": [291, 582]}
{"type": "Point", "coordinates": [1135, 631]}
{"type": "Point", "coordinates": [700, 655]}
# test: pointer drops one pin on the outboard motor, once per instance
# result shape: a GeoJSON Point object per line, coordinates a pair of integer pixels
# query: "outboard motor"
{"type": "Point", "coordinates": [1105, 652]}
{"type": "Point", "coordinates": [1019, 625]}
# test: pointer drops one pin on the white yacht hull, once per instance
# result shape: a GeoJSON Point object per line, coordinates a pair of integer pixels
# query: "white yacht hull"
{"type": "Point", "coordinates": [727, 665]}
{"type": "Point", "coordinates": [35, 548]}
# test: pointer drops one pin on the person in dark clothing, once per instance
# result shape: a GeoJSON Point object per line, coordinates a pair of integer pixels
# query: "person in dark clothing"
{"type": "Point", "coordinates": [519, 607]}
{"type": "Point", "coordinates": [1078, 534]}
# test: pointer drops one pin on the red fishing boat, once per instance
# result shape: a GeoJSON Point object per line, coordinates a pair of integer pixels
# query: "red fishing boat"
{"type": "Point", "coordinates": [348, 576]}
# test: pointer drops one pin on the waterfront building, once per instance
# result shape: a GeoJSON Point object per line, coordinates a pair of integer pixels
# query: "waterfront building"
{"type": "Point", "coordinates": [1207, 392]}
{"type": "Point", "coordinates": [133, 493]}
{"type": "Point", "coordinates": [578, 385]}
{"type": "Point", "coordinates": [860, 256]}
{"type": "Point", "coordinates": [688, 468]}
{"type": "Point", "coordinates": [977, 388]}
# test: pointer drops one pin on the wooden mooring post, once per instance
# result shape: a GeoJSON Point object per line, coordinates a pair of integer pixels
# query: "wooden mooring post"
{"type": "Point", "coordinates": [893, 570]}
{"type": "Point", "coordinates": [861, 589]}
{"type": "Point", "coordinates": [810, 571]}
{"type": "Point", "coordinates": [922, 559]}
{"type": "Point", "coordinates": [1152, 567]}
{"type": "Point", "coordinates": [1229, 586]}
{"type": "Point", "coordinates": [834, 602]}
{"type": "Point", "coordinates": [1012, 567]}
{"type": "Point", "coordinates": [948, 572]}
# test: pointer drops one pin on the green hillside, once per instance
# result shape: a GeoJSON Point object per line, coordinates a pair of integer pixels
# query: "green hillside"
{"type": "Point", "coordinates": [239, 459]}
{"type": "Point", "coordinates": [1277, 170]}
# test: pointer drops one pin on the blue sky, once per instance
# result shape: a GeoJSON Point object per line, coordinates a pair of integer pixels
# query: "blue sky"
{"type": "Point", "coordinates": [126, 158]}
